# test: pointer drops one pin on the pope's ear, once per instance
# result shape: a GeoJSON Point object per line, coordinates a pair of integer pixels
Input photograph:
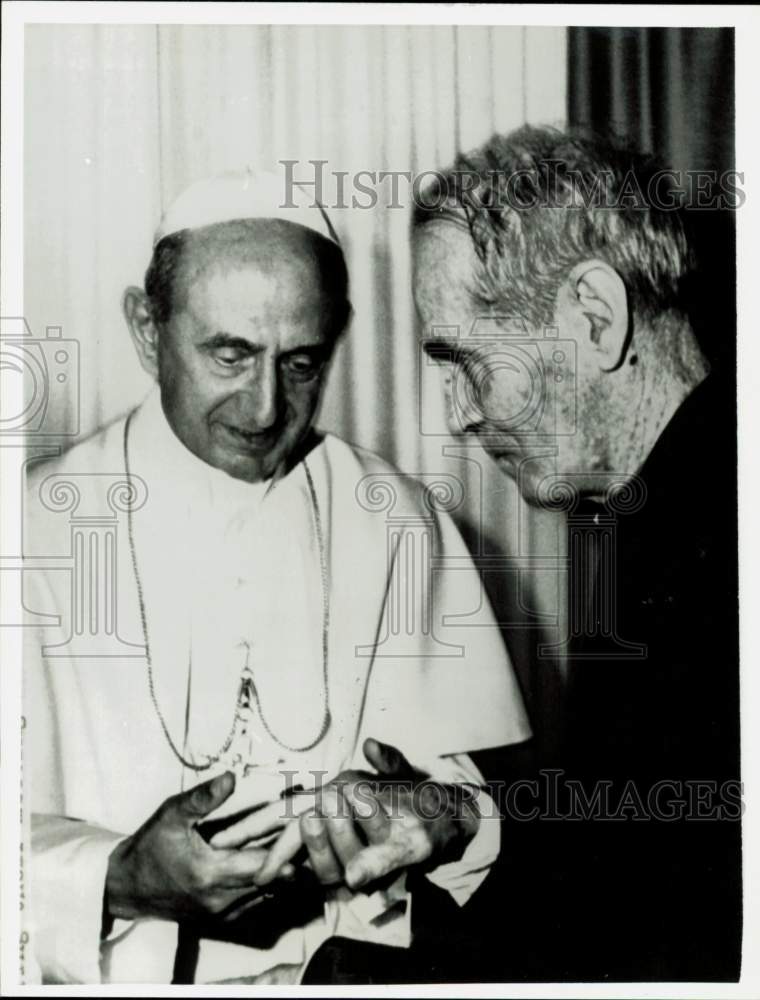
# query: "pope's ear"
{"type": "Point", "coordinates": [601, 303]}
{"type": "Point", "coordinates": [137, 312]}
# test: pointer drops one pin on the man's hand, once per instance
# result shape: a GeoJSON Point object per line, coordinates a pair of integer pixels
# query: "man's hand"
{"type": "Point", "coordinates": [364, 827]}
{"type": "Point", "coordinates": [166, 869]}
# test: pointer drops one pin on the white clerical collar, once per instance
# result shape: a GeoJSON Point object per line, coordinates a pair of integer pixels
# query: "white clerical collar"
{"type": "Point", "coordinates": [190, 474]}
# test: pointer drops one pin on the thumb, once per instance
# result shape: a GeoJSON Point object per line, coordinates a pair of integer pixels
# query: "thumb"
{"type": "Point", "coordinates": [200, 801]}
{"type": "Point", "coordinates": [387, 760]}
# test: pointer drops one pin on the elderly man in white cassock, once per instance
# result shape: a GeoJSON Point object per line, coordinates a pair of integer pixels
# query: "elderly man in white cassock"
{"type": "Point", "coordinates": [261, 770]}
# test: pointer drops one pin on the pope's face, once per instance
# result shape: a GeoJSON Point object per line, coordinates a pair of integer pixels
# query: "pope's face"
{"type": "Point", "coordinates": [242, 361]}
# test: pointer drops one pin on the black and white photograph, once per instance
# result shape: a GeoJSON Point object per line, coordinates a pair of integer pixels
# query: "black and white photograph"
{"type": "Point", "coordinates": [374, 465]}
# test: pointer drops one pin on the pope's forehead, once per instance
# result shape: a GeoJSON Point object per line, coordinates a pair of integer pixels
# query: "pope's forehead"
{"type": "Point", "coordinates": [242, 264]}
{"type": "Point", "coordinates": [270, 245]}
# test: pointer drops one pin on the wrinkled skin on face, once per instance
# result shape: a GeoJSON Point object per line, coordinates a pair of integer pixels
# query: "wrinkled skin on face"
{"type": "Point", "coordinates": [500, 386]}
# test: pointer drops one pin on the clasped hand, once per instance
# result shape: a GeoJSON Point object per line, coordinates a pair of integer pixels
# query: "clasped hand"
{"type": "Point", "coordinates": [359, 828]}
{"type": "Point", "coordinates": [363, 827]}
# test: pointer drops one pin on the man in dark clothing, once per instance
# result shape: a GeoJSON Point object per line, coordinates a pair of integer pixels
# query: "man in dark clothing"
{"type": "Point", "coordinates": [574, 364]}
{"type": "Point", "coordinates": [664, 727]}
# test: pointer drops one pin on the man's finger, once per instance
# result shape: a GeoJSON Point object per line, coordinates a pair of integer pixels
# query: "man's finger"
{"type": "Point", "coordinates": [339, 819]}
{"type": "Point", "coordinates": [369, 812]}
{"type": "Point", "coordinates": [284, 849]}
{"type": "Point", "coordinates": [316, 839]}
{"type": "Point", "coordinates": [233, 869]}
{"type": "Point", "coordinates": [373, 863]}
{"type": "Point", "coordinates": [257, 823]}
{"type": "Point", "coordinates": [387, 760]}
{"type": "Point", "coordinates": [198, 802]}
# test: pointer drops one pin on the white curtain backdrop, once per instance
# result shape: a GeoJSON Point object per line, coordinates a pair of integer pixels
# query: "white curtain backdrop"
{"type": "Point", "coordinates": [119, 119]}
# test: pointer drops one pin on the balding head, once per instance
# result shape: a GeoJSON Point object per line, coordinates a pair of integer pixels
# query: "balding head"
{"type": "Point", "coordinates": [272, 245]}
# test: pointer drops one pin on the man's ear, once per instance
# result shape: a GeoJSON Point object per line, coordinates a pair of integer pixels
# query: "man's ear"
{"type": "Point", "coordinates": [145, 334]}
{"type": "Point", "coordinates": [599, 298]}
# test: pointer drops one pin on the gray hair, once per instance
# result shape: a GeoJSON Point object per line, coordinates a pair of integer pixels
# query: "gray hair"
{"type": "Point", "coordinates": [539, 201]}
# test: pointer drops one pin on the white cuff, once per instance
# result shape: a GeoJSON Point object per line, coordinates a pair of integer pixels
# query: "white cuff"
{"type": "Point", "coordinates": [68, 875]}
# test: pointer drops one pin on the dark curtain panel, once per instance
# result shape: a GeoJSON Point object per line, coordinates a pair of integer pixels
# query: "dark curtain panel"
{"type": "Point", "coordinates": [670, 91]}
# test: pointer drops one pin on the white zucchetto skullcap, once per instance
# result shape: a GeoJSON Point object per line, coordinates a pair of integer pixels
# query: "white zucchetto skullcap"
{"type": "Point", "coordinates": [243, 194]}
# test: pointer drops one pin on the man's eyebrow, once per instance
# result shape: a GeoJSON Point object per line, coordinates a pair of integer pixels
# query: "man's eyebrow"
{"type": "Point", "coordinates": [445, 350]}
{"type": "Point", "coordinates": [221, 339]}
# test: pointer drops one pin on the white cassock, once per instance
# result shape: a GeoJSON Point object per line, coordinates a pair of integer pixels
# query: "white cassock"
{"type": "Point", "coordinates": [232, 572]}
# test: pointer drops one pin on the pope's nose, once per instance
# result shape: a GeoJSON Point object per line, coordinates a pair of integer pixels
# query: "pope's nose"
{"type": "Point", "coordinates": [259, 403]}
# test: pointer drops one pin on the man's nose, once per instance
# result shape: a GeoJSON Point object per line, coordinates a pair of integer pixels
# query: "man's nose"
{"type": "Point", "coordinates": [260, 399]}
